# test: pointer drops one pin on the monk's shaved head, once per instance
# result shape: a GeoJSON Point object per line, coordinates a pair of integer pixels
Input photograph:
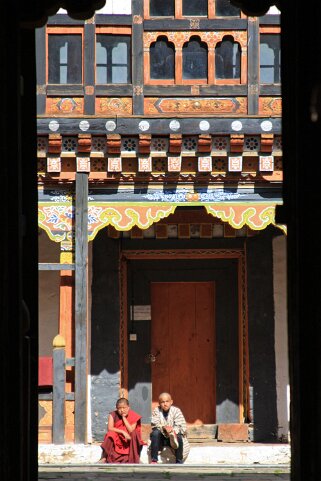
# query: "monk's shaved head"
{"type": "Point", "coordinates": [164, 394]}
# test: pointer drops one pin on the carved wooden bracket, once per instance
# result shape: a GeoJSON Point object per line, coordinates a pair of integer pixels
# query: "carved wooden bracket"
{"type": "Point", "coordinates": [175, 143]}
{"type": "Point", "coordinates": [54, 144]}
{"type": "Point", "coordinates": [144, 143]}
{"type": "Point", "coordinates": [84, 143]}
{"type": "Point", "coordinates": [113, 143]}
{"type": "Point", "coordinates": [266, 142]}
{"type": "Point", "coordinates": [204, 143]}
{"type": "Point", "coordinates": [237, 142]}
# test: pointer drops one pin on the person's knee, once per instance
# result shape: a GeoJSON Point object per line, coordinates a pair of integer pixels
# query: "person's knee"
{"type": "Point", "coordinates": [155, 434]}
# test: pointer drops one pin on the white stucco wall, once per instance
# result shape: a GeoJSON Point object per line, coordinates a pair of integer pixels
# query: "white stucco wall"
{"type": "Point", "coordinates": [281, 336]}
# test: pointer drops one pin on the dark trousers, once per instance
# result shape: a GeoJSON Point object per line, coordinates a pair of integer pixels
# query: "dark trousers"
{"type": "Point", "coordinates": [158, 441]}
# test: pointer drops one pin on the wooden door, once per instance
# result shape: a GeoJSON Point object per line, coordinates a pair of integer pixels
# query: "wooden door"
{"type": "Point", "coordinates": [183, 343]}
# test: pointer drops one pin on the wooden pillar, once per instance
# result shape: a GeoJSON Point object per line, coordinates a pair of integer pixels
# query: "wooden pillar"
{"type": "Point", "coordinates": [66, 312]}
{"type": "Point", "coordinates": [58, 395]}
{"type": "Point", "coordinates": [81, 263]}
{"type": "Point", "coordinates": [253, 66]}
{"type": "Point", "coordinates": [138, 55]}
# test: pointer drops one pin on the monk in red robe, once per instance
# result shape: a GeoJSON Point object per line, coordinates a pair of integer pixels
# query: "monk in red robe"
{"type": "Point", "coordinates": [123, 442]}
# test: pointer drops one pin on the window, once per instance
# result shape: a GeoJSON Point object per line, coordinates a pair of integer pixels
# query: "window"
{"type": "Point", "coordinates": [194, 59]}
{"type": "Point", "coordinates": [64, 59]}
{"type": "Point", "coordinates": [223, 8]}
{"type": "Point", "coordinates": [270, 59]}
{"type": "Point", "coordinates": [162, 59]}
{"type": "Point", "coordinates": [227, 59]}
{"type": "Point", "coordinates": [113, 59]}
{"type": "Point", "coordinates": [195, 7]}
{"type": "Point", "coordinates": [162, 8]}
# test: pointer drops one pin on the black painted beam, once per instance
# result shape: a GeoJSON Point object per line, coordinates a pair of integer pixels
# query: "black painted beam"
{"type": "Point", "coordinates": [162, 126]}
{"type": "Point", "coordinates": [195, 24]}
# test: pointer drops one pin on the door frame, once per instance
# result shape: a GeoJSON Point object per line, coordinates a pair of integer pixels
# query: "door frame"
{"type": "Point", "coordinates": [240, 255]}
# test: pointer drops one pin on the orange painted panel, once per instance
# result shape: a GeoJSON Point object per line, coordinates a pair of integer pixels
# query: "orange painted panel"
{"type": "Point", "coordinates": [183, 340]}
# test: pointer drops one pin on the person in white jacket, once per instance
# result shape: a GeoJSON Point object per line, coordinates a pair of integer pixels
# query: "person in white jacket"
{"type": "Point", "coordinates": [168, 428]}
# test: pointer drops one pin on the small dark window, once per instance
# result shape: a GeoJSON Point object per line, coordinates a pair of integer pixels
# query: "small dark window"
{"type": "Point", "coordinates": [223, 8]}
{"type": "Point", "coordinates": [162, 59]}
{"type": "Point", "coordinates": [227, 59]}
{"type": "Point", "coordinates": [194, 59]}
{"type": "Point", "coordinates": [195, 8]}
{"type": "Point", "coordinates": [113, 59]}
{"type": "Point", "coordinates": [270, 59]}
{"type": "Point", "coordinates": [64, 59]}
{"type": "Point", "coordinates": [161, 8]}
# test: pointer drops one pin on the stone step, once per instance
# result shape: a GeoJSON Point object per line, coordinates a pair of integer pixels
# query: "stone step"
{"type": "Point", "coordinates": [214, 453]}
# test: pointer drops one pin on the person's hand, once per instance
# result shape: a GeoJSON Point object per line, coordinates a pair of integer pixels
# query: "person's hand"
{"type": "Point", "coordinates": [126, 435]}
{"type": "Point", "coordinates": [168, 429]}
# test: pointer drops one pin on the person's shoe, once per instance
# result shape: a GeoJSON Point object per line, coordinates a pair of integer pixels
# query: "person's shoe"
{"type": "Point", "coordinates": [153, 462]}
{"type": "Point", "coordinates": [173, 440]}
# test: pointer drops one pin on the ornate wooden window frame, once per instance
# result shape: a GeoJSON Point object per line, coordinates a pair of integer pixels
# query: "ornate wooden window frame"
{"type": "Point", "coordinates": [272, 30]}
{"type": "Point", "coordinates": [70, 30]}
{"type": "Point", "coordinates": [240, 255]}
{"type": "Point", "coordinates": [103, 30]}
{"type": "Point", "coordinates": [211, 39]}
{"type": "Point", "coordinates": [178, 9]}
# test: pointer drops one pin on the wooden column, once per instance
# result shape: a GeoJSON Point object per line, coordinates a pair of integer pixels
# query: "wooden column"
{"type": "Point", "coordinates": [41, 69]}
{"type": "Point", "coordinates": [66, 312]}
{"type": "Point", "coordinates": [89, 66]}
{"type": "Point", "coordinates": [58, 395]}
{"type": "Point", "coordinates": [81, 262]}
{"type": "Point", "coordinates": [253, 66]}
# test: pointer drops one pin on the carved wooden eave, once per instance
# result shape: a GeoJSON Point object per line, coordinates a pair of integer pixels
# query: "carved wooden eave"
{"type": "Point", "coordinates": [113, 143]}
{"type": "Point", "coordinates": [54, 144]}
{"type": "Point", "coordinates": [84, 143]}
{"type": "Point", "coordinates": [175, 143]}
{"type": "Point", "coordinates": [144, 143]}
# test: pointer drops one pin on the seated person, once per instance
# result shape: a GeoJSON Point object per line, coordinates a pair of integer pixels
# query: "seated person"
{"type": "Point", "coordinates": [168, 429]}
{"type": "Point", "coordinates": [122, 442]}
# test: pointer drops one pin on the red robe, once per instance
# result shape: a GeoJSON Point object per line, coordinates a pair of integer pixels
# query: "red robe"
{"type": "Point", "coordinates": [118, 449]}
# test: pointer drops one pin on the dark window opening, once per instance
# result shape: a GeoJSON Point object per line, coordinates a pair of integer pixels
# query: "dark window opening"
{"type": "Point", "coordinates": [64, 59]}
{"type": "Point", "coordinates": [223, 8]}
{"type": "Point", "coordinates": [227, 59]}
{"type": "Point", "coordinates": [194, 59]}
{"type": "Point", "coordinates": [162, 59]}
{"type": "Point", "coordinates": [113, 59]}
{"type": "Point", "coordinates": [162, 8]}
{"type": "Point", "coordinates": [270, 59]}
{"type": "Point", "coordinates": [195, 8]}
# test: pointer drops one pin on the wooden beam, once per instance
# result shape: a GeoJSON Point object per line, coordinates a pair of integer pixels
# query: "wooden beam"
{"type": "Point", "coordinates": [161, 125]}
{"type": "Point", "coordinates": [81, 260]}
{"type": "Point", "coordinates": [54, 266]}
{"type": "Point", "coordinates": [204, 24]}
